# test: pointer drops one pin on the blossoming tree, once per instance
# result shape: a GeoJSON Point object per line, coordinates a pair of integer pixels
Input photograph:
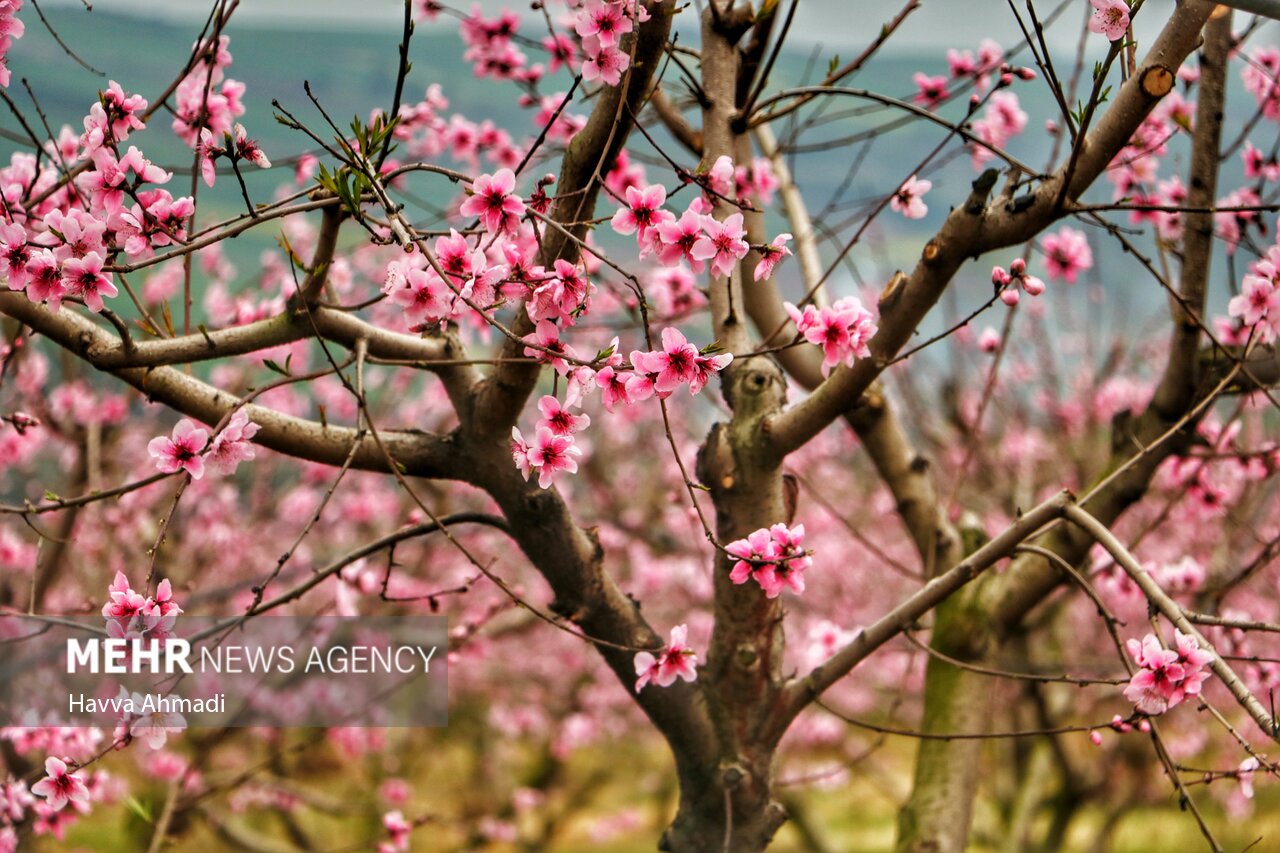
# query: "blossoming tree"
{"type": "Point", "coordinates": [746, 505]}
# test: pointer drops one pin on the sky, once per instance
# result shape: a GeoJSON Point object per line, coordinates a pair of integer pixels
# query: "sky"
{"type": "Point", "coordinates": [834, 23]}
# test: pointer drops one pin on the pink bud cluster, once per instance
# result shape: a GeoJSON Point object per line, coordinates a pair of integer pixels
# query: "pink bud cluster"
{"type": "Point", "coordinates": [1008, 282]}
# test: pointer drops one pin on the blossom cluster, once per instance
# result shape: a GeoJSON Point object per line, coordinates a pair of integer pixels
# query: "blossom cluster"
{"type": "Point", "coordinates": [205, 99]}
{"type": "Point", "coordinates": [398, 831]}
{"type": "Point", "coordinates": [1257, 307]}
{"type": "Point", "coordinates": [1166, 676]}
{"type": "Point", "coordinates": [652, 373]}
{"type": "Point", "coordinates": [775, 558]}
{"type": "Point", "coordinates": [10, 28]}
{"type": "Point", "coordinates": [236, 146]}
{"type": "Point", "coordinates": [131, 615]}
{"type": "Point", "coordinates": [677, 660]}
{"type": "Point", "coordinates": [843, 330]}
{"type": "Point", "coordinates": [602, 24]}
{"type": "Point", "coordinates": [56, 247]}
{"type": "Point", "coordinates": [188, 447]}
{"type": "Point", "coordinates": [553, 449]}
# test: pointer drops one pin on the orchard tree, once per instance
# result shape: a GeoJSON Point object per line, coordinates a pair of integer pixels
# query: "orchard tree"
{"type": "Point", "coordinates": [618, 399]}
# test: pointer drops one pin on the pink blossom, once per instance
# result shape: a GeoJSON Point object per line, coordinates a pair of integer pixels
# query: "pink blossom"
{"type": "Point", "coordinates": [550, 454]}
{"type": "Point", "coordinates": [643, 211]}
{"type": "Point", "coordinates": [616, 387]}
{"type": "Point", "coordinates": [83, 277]}
{"type": "Point", "coordinates": [249, 149]}
{"type": "Point", "coordinates": [398, 828]}
{"type": "Point", "coordinates": [676, 239]}
{"type": "Point", "coordinates": [673, 365]}
{"type": "Point", "coordinates": [205, 100]}
{"type": "Point", "coordinates": [10, 28]}
{"type": "Point", "coordinates": [1002, 120]}
{"type": "Point", "coordinates": [1258, 165]}
{"type": "Point", "coordinates": [1258, 301]}
{"type": "Point", "coordinates": [153, 728]}
{"type": "Point", "coordinates": [15, 253]}
{"type": "Point", "coordinates": [44, 279]}
{"type": "Point", "coordinates": [775, 558]}
{"type": "Point", "coordinates": [843, 330]}
{"type": "Point", "coordinates": [480, 287]}
{"type": "Point", "coordinates": [1244, 774]}
{"type": "Point", "coordinates": [562, 296]}
{"type": "Point", "coordinates": [233, 445]}
{"type": "Point", "coordinates": [788, 572]}
{"type": "Point", "coordinates": [1066, 254]}
{"type": "Point", "coordinates": [606, 64]}
{"type": "Point", "coordinates": [559, 419]}
{"type": "Point", "coordinates": [520, 453]}
{"type": "Point", "coordinates": [113, 117]}
{"type": "Point", "coordinates": [771, 255]}
{"type": "Point", "coordinates": [909, 199]}
{"type": "Point", "coordinates": [554, 350]}
{"type": "Point", "coordinates": [80, 233]}
{"type": "Point", "coordinates": [677, 660]}
{"type": "Point", "coordinates": [562, 53]}
{"type": "Point", "coordinates": [722, 243]}
{"type": "Point", "coordinates": [1260, 75]}
{"type": "Point", "coordinates": [1110, 18]}
{"type": "Point", "coordinates": [60, 787]}
{"type": "Point", "coordinates": [753, 553]}
{"type": "Point", "coordinates": [493, 199]}
{"type": "Point", "coordinates": [931, 91]}
{"type": "Point", "coordinates": [129, 613]}
{"type": "Point", "coordinates": [721, 177]}
{"type": "Point", "coordinates": [181, 451]}
{"type": "Point", "coordinates": [605, 21]}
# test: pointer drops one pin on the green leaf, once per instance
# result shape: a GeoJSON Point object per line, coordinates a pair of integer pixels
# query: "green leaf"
{"type": "Point", "coordinates": [271, 365]}
{"type": "Point", "coordinates": [139, 808]}
{"type": "Point", "coordinates": [51, 495]}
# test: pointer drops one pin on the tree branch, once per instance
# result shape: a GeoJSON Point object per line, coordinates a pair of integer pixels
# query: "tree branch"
{"type": "Point", "coordinates": [975, 228]}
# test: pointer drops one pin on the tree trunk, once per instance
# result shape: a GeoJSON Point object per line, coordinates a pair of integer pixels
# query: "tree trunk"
{"type": "Point", "coordinates": [936, 817]}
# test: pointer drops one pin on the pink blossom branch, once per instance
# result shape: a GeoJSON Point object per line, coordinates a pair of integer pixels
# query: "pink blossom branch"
{"type": "Point", "coordinates": [1170, 609]}
{"type": "Point", "coordinates": [421, 454]}
{"type": "Point", "coordinates": [800, 692]}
